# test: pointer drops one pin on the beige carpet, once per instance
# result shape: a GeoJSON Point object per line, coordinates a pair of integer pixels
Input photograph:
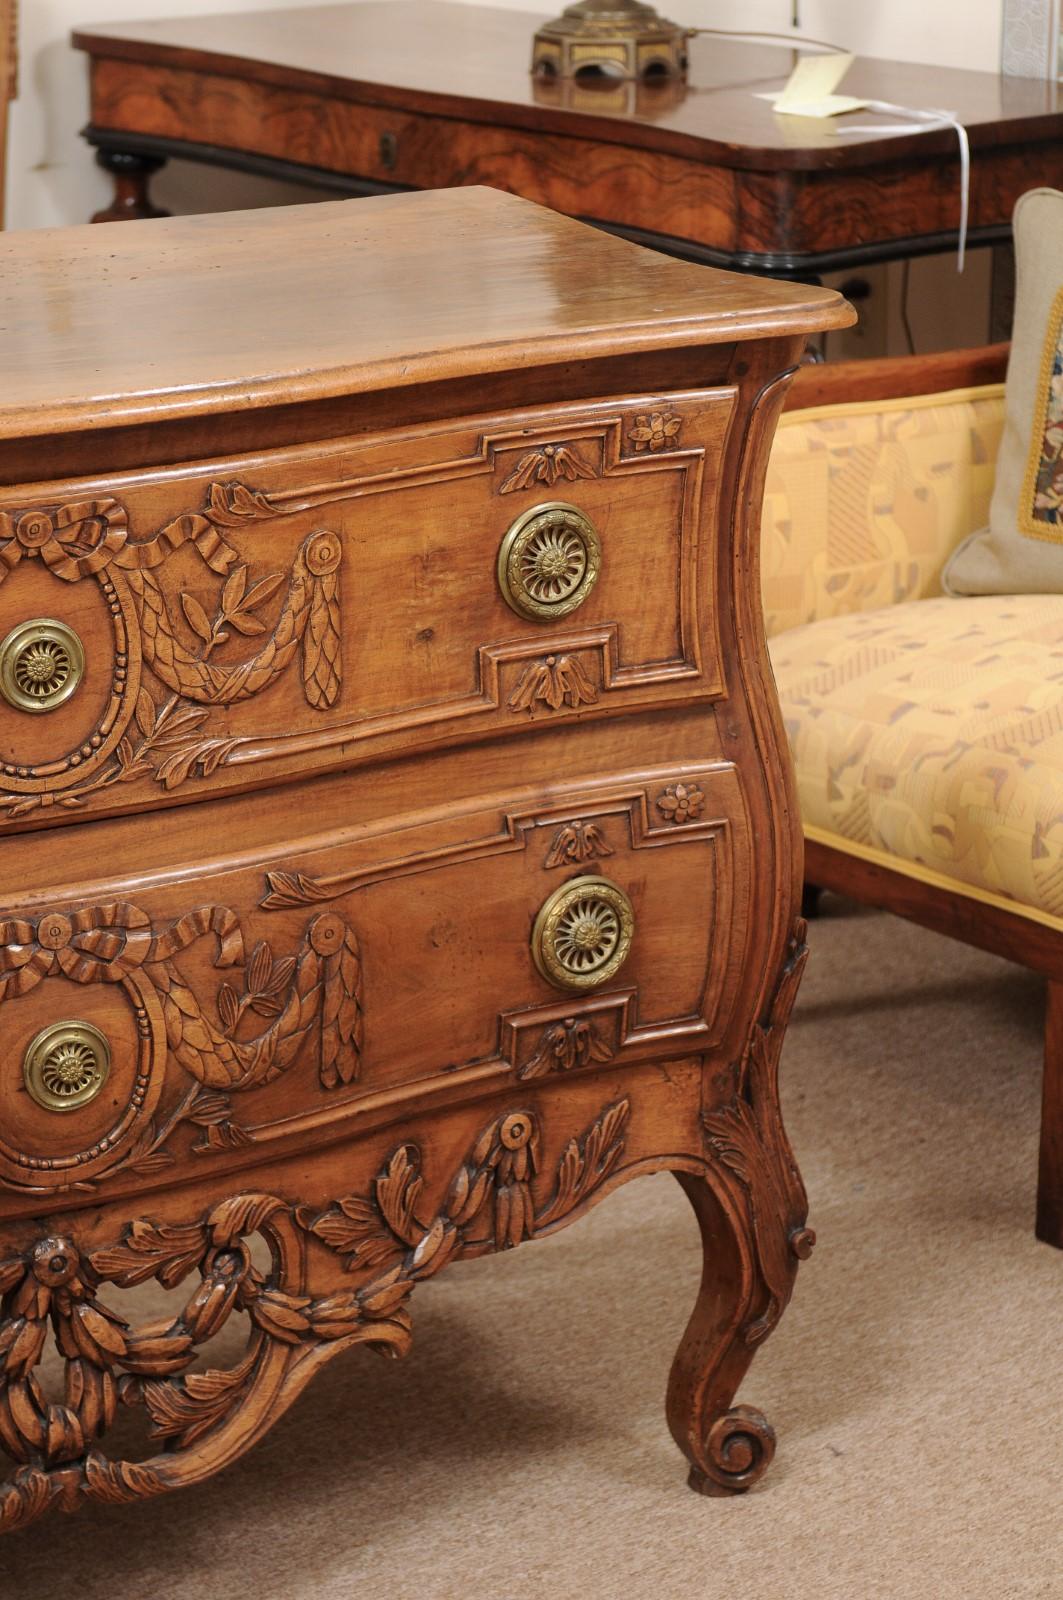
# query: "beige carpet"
{"type": "Point", "coordinates": [916, 1381]}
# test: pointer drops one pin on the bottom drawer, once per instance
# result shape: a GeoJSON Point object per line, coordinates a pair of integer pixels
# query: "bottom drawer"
{"type": "Point", "coordinates": [292, 995]}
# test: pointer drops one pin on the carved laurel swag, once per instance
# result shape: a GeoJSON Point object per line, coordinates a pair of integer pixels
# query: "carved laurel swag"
{"type": "Point", "coordinates": [54, 1291]}
{"type": "Point", "coordinates": [166, 740]}
{"type": "Point", "coordinates": [313, 996]}
{"type": "Point", "coordinates": [748, 1137]}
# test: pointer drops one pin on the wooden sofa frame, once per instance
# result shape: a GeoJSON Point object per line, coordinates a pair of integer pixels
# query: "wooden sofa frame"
{"type": "Point", "coordinates": [988, 927]}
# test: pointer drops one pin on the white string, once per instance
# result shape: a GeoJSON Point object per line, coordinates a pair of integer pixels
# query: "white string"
{"type": "Point", "coordinates": [922, 121]}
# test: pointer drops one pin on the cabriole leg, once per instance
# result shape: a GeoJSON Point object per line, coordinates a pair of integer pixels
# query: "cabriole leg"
{"type": "Point", "coordinates": [751, 1208]}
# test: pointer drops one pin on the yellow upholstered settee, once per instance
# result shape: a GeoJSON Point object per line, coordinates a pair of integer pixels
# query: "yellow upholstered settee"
{"type": "Point", "coordinates": [927, 732]}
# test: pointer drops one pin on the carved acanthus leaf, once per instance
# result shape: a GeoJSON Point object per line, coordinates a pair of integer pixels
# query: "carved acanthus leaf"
{"type": "Point", "coordinates": [51, 1287]}
{"type": "Point", "coordinates": [575, 842]}
{"type": "Point", "coordinates": [747, 1136]}
{"type": "Point", "coordinates": [574, 1042]}
{"type": "Point", "coordinates": [554, 682]}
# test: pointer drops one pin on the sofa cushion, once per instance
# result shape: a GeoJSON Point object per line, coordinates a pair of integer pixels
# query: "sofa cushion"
{"type": "Point", "coordinates": [1021, 552]}
{"type": "Point", "coordinates": [931, 735]}
{"type": "Point", "coordinates": [865, 500]}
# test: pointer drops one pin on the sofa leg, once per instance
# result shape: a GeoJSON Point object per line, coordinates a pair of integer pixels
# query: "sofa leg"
{"type": "Point", "coordinates": [810, 900]}
{"type": "Point", "coordinates": [1050, 1169]}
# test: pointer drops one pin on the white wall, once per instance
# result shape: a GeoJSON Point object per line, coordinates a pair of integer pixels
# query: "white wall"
{"type": "Point", "coordinates": [52, 178]}
{"type": "Point", "coordinates": [948, 33]}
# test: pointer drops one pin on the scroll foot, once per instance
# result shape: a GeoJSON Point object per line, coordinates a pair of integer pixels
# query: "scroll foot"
{"type": "Point", "coordinates": [740, 1447]}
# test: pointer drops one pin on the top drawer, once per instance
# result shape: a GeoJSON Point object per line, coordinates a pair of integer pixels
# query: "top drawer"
{"type": "Point", "coordinates": [236, 622]}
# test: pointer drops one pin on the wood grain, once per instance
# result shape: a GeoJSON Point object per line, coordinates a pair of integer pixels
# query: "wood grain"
{"type": "Point", "coordinates": [438, 94]}
{"type": "Point", "coordinates": [290, 846]}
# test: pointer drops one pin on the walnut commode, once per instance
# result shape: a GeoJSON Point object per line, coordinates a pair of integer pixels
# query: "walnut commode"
{"type": "Point", "coordinates": [391, 781]}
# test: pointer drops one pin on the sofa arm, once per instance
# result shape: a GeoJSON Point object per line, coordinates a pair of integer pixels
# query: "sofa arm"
{"type": "Point", "coordinates": [872, 485]}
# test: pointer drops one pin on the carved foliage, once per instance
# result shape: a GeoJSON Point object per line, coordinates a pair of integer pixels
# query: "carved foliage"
{"type": "Point", "coordinates": [575, 842]}
{"type": "Point", "coordinates": [546, 464]}
{"type": "Point", "coordinates": [54, 1290]}
{"type": "Point", "coordinates": [554, 682]}
{"type": "Point", "coordinates": [166, 741]}
{"type": "Point", "coordinates": [749, 1138]}
{"type": "Point", "coordinates": [574, 1042]}
{"type": "Point", "coordinates": [312, 996]}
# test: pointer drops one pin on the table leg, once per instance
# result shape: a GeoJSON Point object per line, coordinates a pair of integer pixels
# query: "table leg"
{"type": "Point", "coordinates": [131, 174]}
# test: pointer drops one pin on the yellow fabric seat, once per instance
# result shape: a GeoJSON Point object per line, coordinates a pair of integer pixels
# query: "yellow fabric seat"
{"type": "Point", "coordinates": [929, 736]}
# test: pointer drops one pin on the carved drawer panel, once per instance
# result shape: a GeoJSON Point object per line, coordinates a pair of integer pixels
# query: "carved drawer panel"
{"type": "Point", "coordinates": [277, 999]}
{"type": "Point", "coordinates": [222, 626]}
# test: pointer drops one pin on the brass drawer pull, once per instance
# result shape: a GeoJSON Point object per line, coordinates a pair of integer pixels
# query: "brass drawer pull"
{"type": "Point", "coordinates": [41, 664]}
{"type": "Point", "coordinates": [583, 933]}
{"type": "Point", "coordinates": [549, 561]}
{"type": "Point", "coordinates": [66, 1065]}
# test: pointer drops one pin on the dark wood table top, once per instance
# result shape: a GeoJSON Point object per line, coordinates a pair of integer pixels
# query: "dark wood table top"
{"type": "Point", "coordinates": [470, 65]}
{"type": "Point", "coordinates": [474, 61]}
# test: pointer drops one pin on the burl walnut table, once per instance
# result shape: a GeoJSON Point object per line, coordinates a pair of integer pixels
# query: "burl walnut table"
{"type": "Point", "coordinates": [424, 94]}
{"type": "Point", "coordinates": [398, 850]}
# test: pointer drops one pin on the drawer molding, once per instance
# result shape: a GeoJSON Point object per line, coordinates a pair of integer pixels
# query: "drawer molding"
{"type": "Point", "coordinates": [578, 831]}
{"type": "Point", "coordinates": [305, 1309]}
{"type": "Point", "coordinates": [161, 732]}
{"type": "Point", "coordinates": [313, 996]}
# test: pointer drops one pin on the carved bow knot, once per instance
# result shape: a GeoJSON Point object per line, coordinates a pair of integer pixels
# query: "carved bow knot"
{"type": "Point", "coordinates": [74, 542]}
{"type": "Point", "coordinates": [103, 944]}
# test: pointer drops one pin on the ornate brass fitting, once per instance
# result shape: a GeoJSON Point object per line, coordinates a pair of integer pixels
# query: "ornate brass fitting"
{"type": "Point", "coordinates": [41, 664]}
{"type": "Point", "coordinates": [583, 933]}
{"type": "Point", "coordinates": [549, 561]}
{"type": "Point", "coordinates": [66, 1065]}
{"type": "Point", "coordinates": [621, 38]}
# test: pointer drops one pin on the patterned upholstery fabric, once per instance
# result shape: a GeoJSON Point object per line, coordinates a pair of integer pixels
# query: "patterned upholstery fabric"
{"type": "Point", "coordinates": [930, 735]}
{"type": "Point", "coordinates": [865, 502]}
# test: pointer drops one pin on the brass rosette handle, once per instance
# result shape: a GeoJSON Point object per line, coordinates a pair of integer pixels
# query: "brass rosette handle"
{"type": "Point", "coordinates": [549, 561]}
{"type": "Point", "coordinates": [66, 1065]}
{"type": "Point", "coordinates": [41, 664]}
{"type": "Point", "coordinates": [583, 933]}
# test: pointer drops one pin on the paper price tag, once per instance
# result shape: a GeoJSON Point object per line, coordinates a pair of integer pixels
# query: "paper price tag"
{"type": "Point", "coordinates": [809, 92]}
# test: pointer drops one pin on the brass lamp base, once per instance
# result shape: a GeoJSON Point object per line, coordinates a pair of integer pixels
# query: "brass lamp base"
{"type": "Point", "coordinates": [624, 38]}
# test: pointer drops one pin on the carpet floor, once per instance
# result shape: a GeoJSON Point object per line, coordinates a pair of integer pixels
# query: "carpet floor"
{"type": "Point", "coordinates": [916, 1382]}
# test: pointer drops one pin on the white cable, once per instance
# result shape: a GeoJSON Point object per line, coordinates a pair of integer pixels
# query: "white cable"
{"type": "Point", "coordinates": [922, 121]}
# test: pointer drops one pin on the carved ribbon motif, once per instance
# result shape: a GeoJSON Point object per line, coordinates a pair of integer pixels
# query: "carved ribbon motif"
{"type": "Point", "coordinates": [315, 994]}
{"type": "Point", "coordinates": [90, 539]}
{"type": "Point", "coordinates": [201, 1417]}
